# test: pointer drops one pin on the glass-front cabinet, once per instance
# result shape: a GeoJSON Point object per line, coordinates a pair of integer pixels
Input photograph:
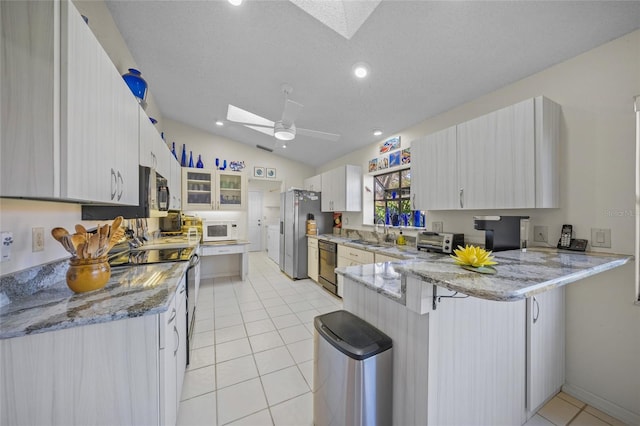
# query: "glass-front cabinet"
{"type": "Point", "coordinates": [205, 189]}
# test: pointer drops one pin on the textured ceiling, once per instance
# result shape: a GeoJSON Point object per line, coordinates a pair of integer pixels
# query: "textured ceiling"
{"type": "Point", "coordinates": [426, 57]}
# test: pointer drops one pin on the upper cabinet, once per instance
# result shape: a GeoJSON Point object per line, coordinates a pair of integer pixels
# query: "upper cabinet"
{"type": "Point", "coordinates": [342, 189]}
{"type": "Point", "coordinates": [69, 121]}
{"type": "Point", "coordinates": [313, 183]}
{"type": "Point", "coordinates": [503, 160]}
{"type": "Point", "coordinates": [205, 189]}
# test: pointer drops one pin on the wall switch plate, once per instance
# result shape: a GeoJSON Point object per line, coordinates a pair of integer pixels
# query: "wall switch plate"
{"type": "Point", "coordinates": [437, 226]}
{"type": "Point", "coordinates": [6, 238]}
{"type": "Point", "coordinates": [541, 234]}
{"type": "Point", "coordinates": [37, 239]}
{"type": "Point", "coordinates": [601, 237]}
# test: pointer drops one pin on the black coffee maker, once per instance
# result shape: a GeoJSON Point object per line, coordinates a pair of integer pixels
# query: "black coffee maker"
{"type": "Point", "coordinates": [503, 232]}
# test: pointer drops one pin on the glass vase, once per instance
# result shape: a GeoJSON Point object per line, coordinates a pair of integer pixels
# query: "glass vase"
{"type": "Point", "coordinates": [183, 161]}
{"type": "Point", "coordinates": [200, 164]}
{"type": "Point", "coordinates": [190, 158]}
{"type": "Point", "coordinates": [136, 83]}
{"type": "Point", "coordinates": [88, 274]}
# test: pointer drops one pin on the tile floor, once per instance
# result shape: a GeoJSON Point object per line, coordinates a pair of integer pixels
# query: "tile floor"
{"type": "Point", "coordinates": [252, 356]}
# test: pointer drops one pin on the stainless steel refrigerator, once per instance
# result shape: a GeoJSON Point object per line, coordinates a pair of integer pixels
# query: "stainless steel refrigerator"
{"type": "Point", "coordinates": [295, 207]}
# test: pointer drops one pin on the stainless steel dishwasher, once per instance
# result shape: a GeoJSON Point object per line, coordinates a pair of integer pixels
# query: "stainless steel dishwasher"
{"type": "Point", "coordinates": [328, 253]}
{"type": "Point", "coordinates": [352, 372]}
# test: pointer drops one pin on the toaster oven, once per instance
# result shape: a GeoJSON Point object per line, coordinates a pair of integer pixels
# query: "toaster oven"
{"type": "Point", "coordinates": [439, 242]}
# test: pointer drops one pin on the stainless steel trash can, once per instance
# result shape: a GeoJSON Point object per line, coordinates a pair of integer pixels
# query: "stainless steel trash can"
{"type": "Point", "coordinates": [352, 380]}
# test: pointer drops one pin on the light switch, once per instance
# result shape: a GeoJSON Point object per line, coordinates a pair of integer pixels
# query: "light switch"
{"type": "Point", "coordinates": [601, 237]}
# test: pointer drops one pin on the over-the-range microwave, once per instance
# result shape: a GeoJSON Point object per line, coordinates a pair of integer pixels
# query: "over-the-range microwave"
{"type": "Point", "coordinates": [219, 230]}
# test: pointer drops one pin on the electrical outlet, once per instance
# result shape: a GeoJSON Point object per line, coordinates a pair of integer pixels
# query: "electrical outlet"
{"type": "Point", "coordinates": [6, 239]}
{"type": "Point", "coordinates": [436, 226]}
{"type": "Point", "coordinates": [601, 237]}
{"type": "Point", "coordinates": [540, 234]}
{"type": "Point", "coordinates": [37, 239]}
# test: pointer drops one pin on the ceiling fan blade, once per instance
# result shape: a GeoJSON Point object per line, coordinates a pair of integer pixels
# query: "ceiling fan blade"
{"type": "Point", "coordinates": [291, 111]}
{"type": "Point", "coordinates": [320, 135]}
{"type": "Point", "coordinates": [240, 115]}
{"type": "Point", "coordinates": [265, 130]}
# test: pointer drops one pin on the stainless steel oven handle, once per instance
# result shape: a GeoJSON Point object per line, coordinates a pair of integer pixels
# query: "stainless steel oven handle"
{"type": "Point", "coordinates": [193, 262]}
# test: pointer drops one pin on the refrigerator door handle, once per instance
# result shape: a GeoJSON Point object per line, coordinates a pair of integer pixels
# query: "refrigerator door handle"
{"type": "Point", "coordinates": [281, 228]}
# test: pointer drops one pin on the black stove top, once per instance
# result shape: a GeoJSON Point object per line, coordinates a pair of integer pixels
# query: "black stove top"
{"type": "Point", "coordinates": [141, 256]}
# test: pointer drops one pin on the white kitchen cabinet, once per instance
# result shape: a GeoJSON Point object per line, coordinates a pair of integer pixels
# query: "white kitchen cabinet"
{"type": "Point", "coordinates": [175, 184]}
{"type": "Point", "coordinates": [313, 183]}
{"type": "Point", "coordinates": [342, 189]}
{"type": "Point", "coordinates": [349, 256]}
{"type": "Point", "coordinates": [496, 159]}
{"type": "Point", "coordinates": [69, 122]}
{"type": "Point", "coordinates": [505, 159]}
{"type": "Point", "coordinates": [207, 189]}
{"type": "Point", "coordinates": [153, 150]}
{"type": "Point", "coordinates": [313, 259]}
{"type": "Point", "coordinates": [111, 373]}
{"type": "Point", "coordinates": [545, 347]}
{"type": "Point", "coordinates": [434, 183]}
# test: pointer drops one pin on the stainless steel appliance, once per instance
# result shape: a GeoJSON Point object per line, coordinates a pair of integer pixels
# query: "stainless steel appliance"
{"type": "Point", "coordinates": [172, 223]}
{"type": "Point", "coordinates": [328, 254]}
{"type": "Point", "coordinates": [153, 200]}
{"type": "Point", "coordinates": [503, 232]}
{"type": "Point", "coordinates": [296, 206]}
{"type": "Point", "coordinates": [353, 372]}
{"type": "Point", "coordinates": [439, 242]}
{"type": "Point", "coordinates": [219, 230]}
{"type": "Point", "coordinates": [143, 256]}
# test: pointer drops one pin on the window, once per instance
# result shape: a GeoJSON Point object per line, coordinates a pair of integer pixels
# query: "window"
{"type": "Point", "coordinates": [392, 200]}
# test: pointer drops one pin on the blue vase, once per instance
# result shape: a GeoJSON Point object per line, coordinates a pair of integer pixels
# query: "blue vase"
{"type": "Point", "coordinates": [190, 158]}
{"type": "Point", "coordinates": [224, 164]}
{"type": "Point", "coordinates": [200, 164]}
{"type": "Point", "coordinates": [173, 149]}
{"type": "Point", "coordinates": [183, 161]}
{"type": "Point", "coordinates": [136, 83]}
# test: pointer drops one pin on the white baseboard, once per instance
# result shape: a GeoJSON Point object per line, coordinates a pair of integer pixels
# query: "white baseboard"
{"type": "Point", "coordinates": [622, 414]}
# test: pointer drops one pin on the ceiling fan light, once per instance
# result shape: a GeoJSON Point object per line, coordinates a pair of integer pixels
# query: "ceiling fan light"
{"type": "Point", "coordinates": [284, 134]}
{"type": "Point", "coordinates": [284, 145]}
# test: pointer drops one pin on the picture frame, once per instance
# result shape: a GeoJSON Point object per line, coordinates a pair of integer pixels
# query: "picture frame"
{"type": "Point", "coordinates": [383, 163]}
{"type": "Point", "coordinates": [373, 165]}
{"type": "Point", "coordinates": [394, 159]}
{"type": "Point", "coordinates": [390, 144]}
{"type": "Point", "coordinates": [271, 173]}
{"type": "Point", "coordinates": [406, 156]}
{"type": "Point", "coordinates": [258, 172]}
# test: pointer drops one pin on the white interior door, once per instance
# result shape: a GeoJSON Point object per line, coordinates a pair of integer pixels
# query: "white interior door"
{"type": "Point", "coordinates": [255, 221]}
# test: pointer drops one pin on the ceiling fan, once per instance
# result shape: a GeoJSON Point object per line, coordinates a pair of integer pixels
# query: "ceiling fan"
{"type": "Point", "coordinates": [283, 129]}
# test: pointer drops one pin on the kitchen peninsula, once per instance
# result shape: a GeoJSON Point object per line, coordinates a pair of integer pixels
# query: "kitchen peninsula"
{"type": "Point", "coordinates": [472, 348]}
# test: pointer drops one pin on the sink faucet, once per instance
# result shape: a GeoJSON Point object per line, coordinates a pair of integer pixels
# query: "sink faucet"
{"type": "Point", "coordinates": [382, 222]}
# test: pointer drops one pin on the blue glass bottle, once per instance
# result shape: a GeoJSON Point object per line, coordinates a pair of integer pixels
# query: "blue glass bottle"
{"type": "Point", "coordinates": [173, 150]}
{"type": "Point", "coordinates": [183, 161]}
{"type": "Point", "coordinates": [190, 158]}
{"type": "Point", "coordinates": [217, 163]}
{"type": "Point", "coordinates": [224, 164]}
{"type": "Point", "coordinates": [136, 83]}
{"type": "Point", "coordinates": [200, 164]}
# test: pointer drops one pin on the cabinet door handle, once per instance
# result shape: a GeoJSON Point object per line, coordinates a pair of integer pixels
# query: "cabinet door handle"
{"type": "Point", "coordinates": [413, 201]}
{"type": "Point", "coordinates": [461, 198]}
{"type": "Point", "coordinates": [536, 313]}
{"type": "Point", "coordinates": [120, 185]}
{"type": "Point", "coordinates": [173, 316]}
{"type": "Point", "coordinates": [114, 184]}
{"type": "Point", "coordinates": [175, 330]}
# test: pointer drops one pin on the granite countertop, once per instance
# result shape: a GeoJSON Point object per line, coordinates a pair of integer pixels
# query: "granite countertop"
{"type": "Point", "coordinates": [520, 274]}
{"type": "Point", "coordinates": [131, 292]}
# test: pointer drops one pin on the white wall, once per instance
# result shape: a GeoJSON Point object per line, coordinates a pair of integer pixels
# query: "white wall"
{"type": "Point", "coordinates": [596, 91]}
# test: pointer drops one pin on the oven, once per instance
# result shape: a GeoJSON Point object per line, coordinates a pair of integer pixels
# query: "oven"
{"type": "Point", "coordinates": [328, 262]}
{"type": "Point", "coordinates": [143, 256]}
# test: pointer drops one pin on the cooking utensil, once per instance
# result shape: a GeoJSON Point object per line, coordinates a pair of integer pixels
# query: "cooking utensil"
{"type": "Point", "coordinates": [58, 233]}
{"type": "Point", "coordinates": [68, 244]}
{"type": "Point", "coordinates": [93, 245]}
{"type": "Point", "coordinates": [80, 229]}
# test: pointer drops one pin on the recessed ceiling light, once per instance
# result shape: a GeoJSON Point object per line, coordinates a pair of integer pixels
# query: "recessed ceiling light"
{"type": "Point", "coordinates": [361, 70]}
{"type": "Point", "coordinates": [284, 145]}
{"type": "Point", "coordinates": [377, 132]}
{"type": "Point", "coordinates": [219, 123]}
{"type": "Point", "coordinates": [235, 2]}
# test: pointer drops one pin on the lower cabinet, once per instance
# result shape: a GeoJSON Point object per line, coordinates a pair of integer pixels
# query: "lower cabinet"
{"type": "Point", "coordinates": [124, 372]}
{"type": "Point", "coordinates": [349, 256]}
{"type": "Point", "coordinates": [545, 347]}
{"type": "Point", "coordinates": [313, 259]}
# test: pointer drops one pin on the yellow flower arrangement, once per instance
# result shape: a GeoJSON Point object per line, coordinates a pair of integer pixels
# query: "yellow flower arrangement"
{"type": "Point", "coordinates": [473, 256]}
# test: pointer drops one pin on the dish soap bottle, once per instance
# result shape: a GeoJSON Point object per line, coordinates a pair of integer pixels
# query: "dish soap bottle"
{"type": "Point", "coordinates": [401, 241]}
